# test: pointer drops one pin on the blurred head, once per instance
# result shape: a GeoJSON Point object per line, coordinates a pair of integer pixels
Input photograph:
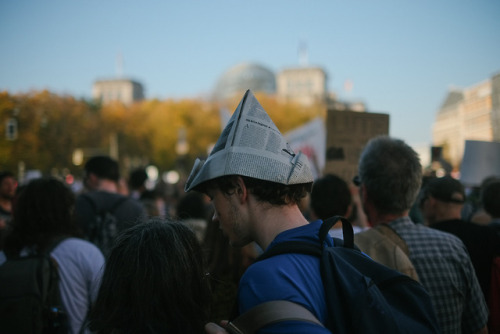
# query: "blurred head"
{"type": "Point", "coordinates": [192, 206]}
{"type": "Point", "coordinates": [137, 179]}
{"type": "Point", "coordinates": [101, 167]}
{"type": "Point", "coordinates": [8, 185]}
{"type": "Point", "coordinates": [445, 189]}
{"type": "Point", "coordinates": [442, 199]}
{"type": "Point", "coordinates": [490, 197]}
{"type": "Point", "coordinates": [154, 282]}
{"type": "Point", "coordinates": [43, 210]}
{"type": "Point", "coordinates": [330, 196]}
{"type": "Point", "coordinates": [390, 173]}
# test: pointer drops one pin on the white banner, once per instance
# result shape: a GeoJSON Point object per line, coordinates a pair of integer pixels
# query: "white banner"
{"type": "Point", "coordinates": [310, 139]}
{"type": "Point", "coordinates": [481, 160]}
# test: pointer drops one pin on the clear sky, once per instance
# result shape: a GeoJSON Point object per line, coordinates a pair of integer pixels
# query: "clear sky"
{"type": "Point", "coordinates": [402, 56]}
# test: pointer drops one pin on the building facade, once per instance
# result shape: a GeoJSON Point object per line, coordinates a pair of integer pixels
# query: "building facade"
{"type": "Point", "coordinates": [305, 85]}
{"type": "Point", "coordinates": [467, 114]}
{"type": "Point", "coordinates": [123, 90]}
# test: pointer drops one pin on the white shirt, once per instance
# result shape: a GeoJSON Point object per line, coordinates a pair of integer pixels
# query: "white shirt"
{"type": "Point", "coordinates": [81, 265]}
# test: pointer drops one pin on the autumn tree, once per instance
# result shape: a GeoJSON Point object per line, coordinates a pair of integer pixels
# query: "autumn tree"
{"type": "Point", "coordinates": [52, 127]}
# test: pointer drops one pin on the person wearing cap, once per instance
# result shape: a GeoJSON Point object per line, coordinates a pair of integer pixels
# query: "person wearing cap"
{"type": "Point", "coordinates": [390, 176]}
{"type": "Point", "coordinates": [255, 182]}
{"type": "Point", "coordinates": [441, 203]}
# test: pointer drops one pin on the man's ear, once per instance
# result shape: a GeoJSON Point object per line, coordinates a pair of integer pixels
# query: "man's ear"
{"type": "Point", "coordinates": [241, 189]}
{"type": "Point", "coordinates": [349, 210]}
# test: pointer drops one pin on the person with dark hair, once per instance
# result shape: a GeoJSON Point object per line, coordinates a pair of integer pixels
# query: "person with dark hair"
{"type": "Point", "coordinates": [490, 198]}
{"type": "Point", "coordinates": [474, 210]}
{"type": "Point", "coordinates": [100, 168]}
{"type": "Point", "coordinates": [8, 186]}
{"type": "Point", "coordinates": [390, 176]}
{"type": "Point", "coordinates": [43, 215]}
{"type": "Point", "coordinates": [102, 178]}
{"type": "Point", "coordinates": [153, 202]}
{"type": "Point", "coordinates": [137, 182]}
{"type": "Point", "coordinates": [255, 182]}
{"type": "Point", "coordinates": [192, 210]}
{"type": "Point", "coordinates": [331, 196]}
{"type": "Point", "coordinates": [154, 282]}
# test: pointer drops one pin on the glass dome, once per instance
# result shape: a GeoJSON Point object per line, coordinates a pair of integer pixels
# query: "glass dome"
{"type": "Point", "coordinates": [245, 76]}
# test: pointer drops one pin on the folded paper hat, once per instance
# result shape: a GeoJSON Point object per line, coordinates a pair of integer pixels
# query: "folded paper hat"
{"type": "Point", "coordinates": [251, 145]}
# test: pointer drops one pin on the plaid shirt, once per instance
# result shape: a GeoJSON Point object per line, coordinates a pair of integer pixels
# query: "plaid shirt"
{"type": "Point", "coordinates": [445, 270]}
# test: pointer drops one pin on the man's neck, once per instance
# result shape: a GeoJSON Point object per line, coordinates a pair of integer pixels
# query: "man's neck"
{"type": "Point", "coordinates": [376, 218]}
{"type": "Point", "coordinates": [107, 185]}
{"type": "Point", "coordinates": [445, 217]}
{"type": "Point", "coordinates": [272, 220]}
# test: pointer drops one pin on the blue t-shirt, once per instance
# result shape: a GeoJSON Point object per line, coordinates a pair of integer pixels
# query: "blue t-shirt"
{"type": "Point", "coordinates": [293, 277]}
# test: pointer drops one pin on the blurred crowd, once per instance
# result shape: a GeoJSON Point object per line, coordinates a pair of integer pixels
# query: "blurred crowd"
{"type": "Point", "coordinates": [36, 212]}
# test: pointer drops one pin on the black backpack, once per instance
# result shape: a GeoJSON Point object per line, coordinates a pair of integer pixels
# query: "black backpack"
{"type": "Point", "coordinates": [30, 301]}
{"type": "Point", "coordinates": [104, 228]}
{"type": "Point", "coordinates": [362, 295]}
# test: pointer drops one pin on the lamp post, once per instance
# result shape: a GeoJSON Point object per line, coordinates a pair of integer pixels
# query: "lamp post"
{"type": "Point", "coordinates": [181, 149]}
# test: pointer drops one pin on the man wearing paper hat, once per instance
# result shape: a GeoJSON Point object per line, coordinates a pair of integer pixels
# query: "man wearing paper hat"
{"type": "Point", "coordinates": [255, 181]}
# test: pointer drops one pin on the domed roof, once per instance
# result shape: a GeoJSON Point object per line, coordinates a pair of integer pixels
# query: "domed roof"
{"type": "Point", "coordinates": [241, 77]}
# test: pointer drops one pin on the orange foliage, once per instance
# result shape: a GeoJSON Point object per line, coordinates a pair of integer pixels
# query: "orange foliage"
{"type": "Point", "coordinates": [51, 127]}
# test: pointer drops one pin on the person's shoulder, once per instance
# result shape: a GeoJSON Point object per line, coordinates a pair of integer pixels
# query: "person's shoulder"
{"type": "Point", "coordinates": [443, 238]}
{"type": "Point", "coordinates": [438, 234]}
{"type": "Point", "coordinates": [77, 247]}
{"type": "Point", "coordinates": [368, 232]}
{"type": "Point", "coordinates": [84, 197]}
{"type": "Point", "coordinates": [308, 232]}
{"type": "Point", "coordinates": [429, 237]}
{"type": "Point", "coordinates": [78, 257]}
{"type": "Point", "coordinates": [278, 268]}
{"type": "Point", "coordinates": [268, 266]}
{"type": "Point", "coordinates": [371, 240]}
{"type": "Point", "coordinates": [107, 200]}
{"type": "Point", "coordinates": [131, 201]}
{"type": "Point", "coordinates": [94, 198]}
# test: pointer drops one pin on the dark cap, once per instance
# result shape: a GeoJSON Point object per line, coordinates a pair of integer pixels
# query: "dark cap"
{"type": "Point", "coordinates": [446, 189]}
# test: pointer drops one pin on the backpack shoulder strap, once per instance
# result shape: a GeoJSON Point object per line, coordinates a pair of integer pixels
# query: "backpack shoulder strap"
{"type": "Point", "coordinates": [268, 313]}
{"type": "Point", "coordinates": [347, 230]}
{"type": "Point", "coordinates": [90, 200]}
{"type": "Point", "coordinates": [115, 205]}
{"type": "Point", "coordinates": [389, 232]}
{"type": "Point", "coordinates": [304, 247]}
{"type": "Point", "coordinates": [286, 247]}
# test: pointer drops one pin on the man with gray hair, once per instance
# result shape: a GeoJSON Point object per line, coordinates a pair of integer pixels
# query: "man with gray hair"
{"type": "Point", "coordinates": [390, 176]}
